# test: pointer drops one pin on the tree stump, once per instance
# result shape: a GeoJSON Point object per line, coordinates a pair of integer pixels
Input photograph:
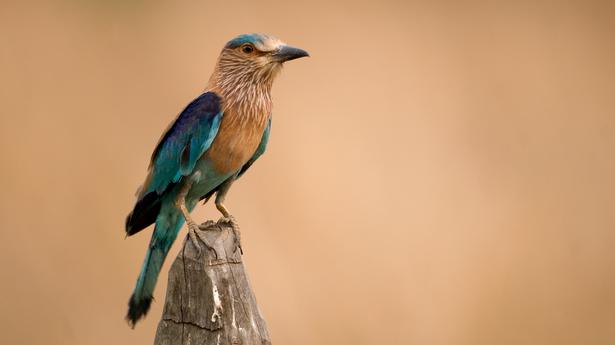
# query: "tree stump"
{"type": "Point", "coordinates": [209, 300]}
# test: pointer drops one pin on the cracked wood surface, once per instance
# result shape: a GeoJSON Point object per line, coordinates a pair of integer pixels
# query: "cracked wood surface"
{"type": "Point", "coordinates": [209, 300]}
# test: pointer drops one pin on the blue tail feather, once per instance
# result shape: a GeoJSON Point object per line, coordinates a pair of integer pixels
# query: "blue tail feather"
{"type": "Point", "coordinates": [168, 224]}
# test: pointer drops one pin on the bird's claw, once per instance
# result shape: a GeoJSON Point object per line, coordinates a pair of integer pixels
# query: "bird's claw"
{"type": "Point", "coordinates": [230, 220]}
{"type": "Point", "coordinates": [194, 232]}
{"type": "Point", "coordinates": [207, 225]}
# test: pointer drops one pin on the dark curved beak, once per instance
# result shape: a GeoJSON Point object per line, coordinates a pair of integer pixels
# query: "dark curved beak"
{"type": "Point", "coordinates": [287, 53]}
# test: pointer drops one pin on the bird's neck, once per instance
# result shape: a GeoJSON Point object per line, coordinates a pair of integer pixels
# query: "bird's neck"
{"type": "Point", "coordinates": [246, 94]}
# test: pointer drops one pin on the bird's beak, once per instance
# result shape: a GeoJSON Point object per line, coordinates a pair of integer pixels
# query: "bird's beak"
{"type": "Point", "coordinates": [287, 53]}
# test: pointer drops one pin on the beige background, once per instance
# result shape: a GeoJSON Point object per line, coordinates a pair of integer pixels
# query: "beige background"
{"type": "Point", "coordinates": [438, 173]}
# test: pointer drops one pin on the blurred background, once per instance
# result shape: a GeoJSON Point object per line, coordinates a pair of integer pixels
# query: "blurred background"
{"type": "Point", "coordinates": [438, 172]}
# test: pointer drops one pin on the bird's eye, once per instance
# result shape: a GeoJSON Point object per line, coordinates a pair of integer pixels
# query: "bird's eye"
{"type": "Point", "coordinates": [247, 48]}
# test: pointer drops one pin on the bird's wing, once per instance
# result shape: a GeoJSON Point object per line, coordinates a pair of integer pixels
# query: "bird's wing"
{"type": "Point", "coordinates": [184, 142]}
{"type": "Point", "coordinates": [175, 156]}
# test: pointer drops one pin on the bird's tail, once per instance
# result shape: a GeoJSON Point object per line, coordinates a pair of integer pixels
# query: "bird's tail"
{"type": "Point", "coordinates": [168, 225]}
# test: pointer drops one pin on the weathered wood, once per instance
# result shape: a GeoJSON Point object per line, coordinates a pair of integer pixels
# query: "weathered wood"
{"type": "Point", "coordinates": [209, 300]}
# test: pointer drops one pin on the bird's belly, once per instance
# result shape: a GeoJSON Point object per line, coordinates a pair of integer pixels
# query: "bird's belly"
{"type": "Point", "coordinates": [233, 147]}
{"type": "Point", "coordinates": [208, 180]}
{"type": "Point", "coordinates": [235, 143]}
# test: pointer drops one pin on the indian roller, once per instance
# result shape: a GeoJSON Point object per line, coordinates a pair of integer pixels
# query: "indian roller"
{"type": "Point", "coordinates": [212, 143]}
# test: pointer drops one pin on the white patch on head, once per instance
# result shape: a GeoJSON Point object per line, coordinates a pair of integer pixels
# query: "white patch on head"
{"type": "Point", "coordinates": [268, 44]}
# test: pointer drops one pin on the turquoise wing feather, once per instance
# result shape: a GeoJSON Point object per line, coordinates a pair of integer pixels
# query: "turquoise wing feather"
{"type": "Point", "coordinates": [184, 142]}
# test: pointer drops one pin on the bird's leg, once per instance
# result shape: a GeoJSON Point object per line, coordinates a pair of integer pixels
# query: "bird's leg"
{"type": "Point", "coordinates": [208, 223]}
{"type": "Point", "coordinates": [227, 217]}
{"type": "Point", "coordinates": [192, 226]}
{"type": "Point", "coordinates": [221, 196]}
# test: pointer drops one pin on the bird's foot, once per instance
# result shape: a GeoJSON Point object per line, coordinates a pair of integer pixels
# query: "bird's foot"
{"type": "Point", "coordinates": [208, 225]}
{"type": "Point", "coordinates": [194, 232]}
{"type": "Point", "coordinates": [230, 220]}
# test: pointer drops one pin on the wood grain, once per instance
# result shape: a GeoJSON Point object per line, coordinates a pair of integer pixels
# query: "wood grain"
{"type": "Point", "coordinates": [209, 300]}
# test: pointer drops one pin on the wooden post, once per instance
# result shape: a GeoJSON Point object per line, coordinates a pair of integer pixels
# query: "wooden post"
{"type": "Point", "coordinates": [209, 300]}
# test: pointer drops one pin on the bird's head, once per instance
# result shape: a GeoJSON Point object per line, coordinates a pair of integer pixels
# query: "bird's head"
{"type": "Point", "coordinates": [253, 59]}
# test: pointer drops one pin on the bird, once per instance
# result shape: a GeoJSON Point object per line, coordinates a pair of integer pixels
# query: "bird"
{"type": "Point", "coordinates": [212, 143]}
